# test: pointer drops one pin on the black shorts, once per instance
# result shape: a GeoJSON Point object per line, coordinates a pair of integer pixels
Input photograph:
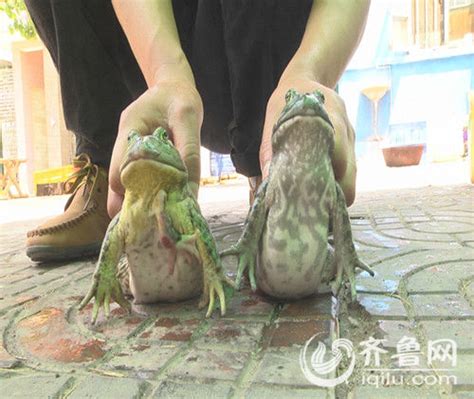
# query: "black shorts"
{"type": "Point", "coordinates": [237, 50]}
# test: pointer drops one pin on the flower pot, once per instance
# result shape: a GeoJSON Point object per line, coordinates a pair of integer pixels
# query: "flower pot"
{"type": "Point", "coordinates": [404, 155]}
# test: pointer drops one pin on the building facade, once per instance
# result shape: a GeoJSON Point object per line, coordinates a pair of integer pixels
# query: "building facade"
{"type": "Point", "coordinates": [410, 80]}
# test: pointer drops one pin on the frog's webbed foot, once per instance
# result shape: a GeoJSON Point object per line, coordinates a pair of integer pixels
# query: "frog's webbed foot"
{"type": "Point", "coordinates": [105, 288]}
{"type": "Point", "coordinates": [345, 271]}
{"type": "Point", "coordinates": [217, 285]}
{"type": "Point", "coordinates": [346, 256]}
{"type": "Point", "coordinates": [247, 259]}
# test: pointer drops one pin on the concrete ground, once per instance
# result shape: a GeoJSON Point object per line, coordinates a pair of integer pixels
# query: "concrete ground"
{"type": "Point", "coordinates": [419, 241]}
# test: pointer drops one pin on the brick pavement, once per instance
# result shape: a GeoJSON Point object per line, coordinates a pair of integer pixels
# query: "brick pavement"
{"type": "Point", "coordinates": [419, 242]}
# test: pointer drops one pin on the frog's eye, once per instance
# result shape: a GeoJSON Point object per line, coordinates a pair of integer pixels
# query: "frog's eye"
{"type": "Point", "coordinates": [132, 135]}
{"type": "Point", "coordinates": [161, 134]}
{"type": "Point", "coordinates": [289, 95]}
{"type": "Point", "coordinates": [320, 96]}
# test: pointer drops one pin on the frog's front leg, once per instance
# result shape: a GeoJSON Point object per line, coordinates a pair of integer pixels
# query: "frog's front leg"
{"type": "Point", "coordinates": [105, 285]}
{"type": "Point", "coordinates": [246, 247]}
{"type": "Point", "coordinates": [345, 254]}
{"type": "Point", "coordinates": [185, 244]}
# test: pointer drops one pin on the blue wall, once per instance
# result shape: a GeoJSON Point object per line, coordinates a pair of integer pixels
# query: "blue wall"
{"type": "Point", "coordinates": [437, 70]}
{"type": "Point", "coordinates": [428, 99]}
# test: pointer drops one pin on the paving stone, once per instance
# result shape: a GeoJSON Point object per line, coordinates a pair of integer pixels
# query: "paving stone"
{"type": "Point", "coordinates": [392, 331]}
{"type": "Point", "coordinates": [375, 256]}
{"type": "Point", "coordinates": [358, 219]}
{"type": "Point", "coordinates": [281, 367]}
{"type": "Point", "coordinates": [442, 226]}
{"type": "Point", "coordinates": [228, 334]}
{"type": "Point", "coordinates": [469, 291]}
{"type": "Point", "coordinates": [466, 215]}
{"type": "Point", "coordinates": [465, 395]}
{"type": "Point", "coordinates": [103, 388]}
{"type": "Point", "coordinates": [61, 287]}
{"type": "Point", "coordinates": [12, 276]}
{"type": "Point", "coordinates": [47, 335]}
{"type": "Point", "coordinates": [142, 357]}
{"type": "Point", "coordinates": [170, 329]}
{"type": "Point", "coordinates": [466, 238]}
{"type": "Point", "coordinates": [443, 277]}
{"type": "Point", "coordinates": [118, 326]}
{"type": "Point", "coordinates": [451, 305]}
{"type": "Point", "coordinates": [389, 272]}
{"type": "Point", "coordinates": [197, 390]}
{"type": "Point", "coordinates": [34, 385]}
{"type": "Point", "coordinates": [382, 306]}
{"type": "Point", "coordinates": [387, 220]}
{"type": "Point", "coordinates": [25, 285]}
{"type": "Point", "coordinates": [423, 238]}
{"type": "Point", "coordinates": [290, 333]}
{"type": "Point", "coordinates": [319, 306]}
{"type": "Point", "coordinates": [7, 361]}
{"type": "Point", "coordinates": [382, 392]}
{"type": "Point", "coordinates": [181, 310]}
{"type": "Point", "coordinates": [16, 301]}
{"type": "Point", "coordinates": [204, 363]}
{"type": "Point", "coordinates": [461, 331]}
{"type": "Point", "coordinates": [248, 305]}
{"type": "Point", "coordinates": [273, 392]}
{"type": "Point", "coordinates": [372, 238]}
{"type": "Point", "coordinates": [463, 371]}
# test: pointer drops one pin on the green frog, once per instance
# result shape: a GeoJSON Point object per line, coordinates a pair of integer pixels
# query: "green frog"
{"type": "Point", "coordinates": [159, 247]}
{"type": "Point", "coordinates": [285, 244]}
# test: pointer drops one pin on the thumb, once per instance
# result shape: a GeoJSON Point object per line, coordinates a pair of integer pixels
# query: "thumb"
{"type": "Point", "coordinates": [273, 110]}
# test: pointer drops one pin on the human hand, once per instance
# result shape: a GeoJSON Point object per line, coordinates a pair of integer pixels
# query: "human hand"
{"type": "Point", "coordinates": [344, 153]}
{"type": "Point", "coordinates": [174, 105]}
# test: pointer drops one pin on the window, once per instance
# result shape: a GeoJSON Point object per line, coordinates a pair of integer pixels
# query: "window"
{"type": "Point", "coordinates": [431, 23]}
{"type": "Point", "coordinates": [427, 23]}
{"type": "Point", "coordinates": [460, 20]}
{"type": "Point", "coordinates": [400, 16]}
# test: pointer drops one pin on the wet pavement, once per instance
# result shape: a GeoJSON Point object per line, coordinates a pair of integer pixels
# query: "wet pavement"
{"type": "Point", "coordinates": [417, 312]}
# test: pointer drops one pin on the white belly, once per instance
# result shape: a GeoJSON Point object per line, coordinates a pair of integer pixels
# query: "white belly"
{"type": "Point", "coordinates": [294, 271]}
{"type": "Point", "coordinates": [150, 278]}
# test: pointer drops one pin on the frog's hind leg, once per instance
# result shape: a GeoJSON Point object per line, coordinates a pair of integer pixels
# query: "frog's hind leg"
{"type": "Point", "coordinates": [345, 254]}
{"type": "Point", "coordinates": [123, 275]}
{"type": "Point", "coordinates": [246, 247]}
{"type": "Point", "coordinates": [213, 278]}
{"type": "Point", "coordinates": [106, 286]}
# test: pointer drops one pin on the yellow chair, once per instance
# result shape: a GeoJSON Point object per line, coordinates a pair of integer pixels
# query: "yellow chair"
{"type": "Point", "coordinates": [52, 176]}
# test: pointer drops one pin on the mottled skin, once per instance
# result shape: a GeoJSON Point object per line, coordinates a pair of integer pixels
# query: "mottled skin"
{"type": "Point", "coordinates": [287, 229]}
{"type": "Point", "coordinates": [170, 253]}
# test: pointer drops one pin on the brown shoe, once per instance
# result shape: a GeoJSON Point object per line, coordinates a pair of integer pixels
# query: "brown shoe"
{"type": "Point", "coordinates": [79, 231]}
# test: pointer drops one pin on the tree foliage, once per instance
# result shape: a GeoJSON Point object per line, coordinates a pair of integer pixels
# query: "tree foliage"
{"type": "Point", "coordinates": [20, 20]}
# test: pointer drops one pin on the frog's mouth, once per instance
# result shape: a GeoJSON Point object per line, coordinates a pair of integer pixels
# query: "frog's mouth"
{"type": "Point", "coordinates": [300, 110]}
{"type": "Point", "coordinates": [160, 159]}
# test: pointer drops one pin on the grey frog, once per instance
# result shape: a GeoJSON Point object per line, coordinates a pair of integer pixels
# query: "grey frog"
{"type": "Point", "coordinates": [284, 244]}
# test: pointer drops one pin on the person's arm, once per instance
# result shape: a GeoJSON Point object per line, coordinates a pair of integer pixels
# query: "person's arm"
{"type": "Point", "coordinates": [332, 33]}
{"type": "Point", "coordinates": [151, 31]}
{"type": "Point", "coordinates": [171, 100]}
